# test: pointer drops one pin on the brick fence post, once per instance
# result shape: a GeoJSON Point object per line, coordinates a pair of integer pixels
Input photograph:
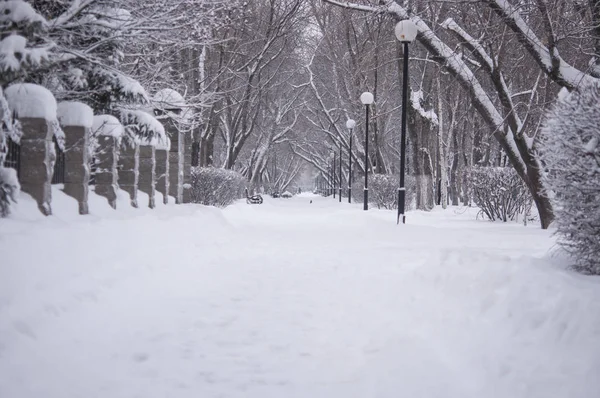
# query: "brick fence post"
{"type": "Point", "coordinates": [35, 107]}
{"type": "Point", "coordinates": [76, 120]}
{"type": "Point", "coordinates": [107, 131]}
{"type": "Point", "coordinates": [129, 161]}
{"type": "Point", "coordinates": [147, 171]}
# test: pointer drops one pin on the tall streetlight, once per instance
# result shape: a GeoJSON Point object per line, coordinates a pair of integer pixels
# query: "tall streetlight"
{"type": "Point", "coordinates": [333, 172]}
{"type": "Point", "coordinates": [329, 178]}
{"type": "Point", "coordinates": [367, 99]}
{"type": "Point", "coordinates": [406, 32]}
{"type": "Point", "coordinates": [350, 124]}
{"type": "Point", "coordinates": [340, 174]}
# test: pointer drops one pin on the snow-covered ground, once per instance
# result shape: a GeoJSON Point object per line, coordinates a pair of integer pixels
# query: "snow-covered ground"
{"type": "Point", "coordinates": [288, 299]}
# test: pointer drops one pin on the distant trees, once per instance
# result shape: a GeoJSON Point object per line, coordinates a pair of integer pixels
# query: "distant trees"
{"type": "Point", "coordinates": [251, 69]}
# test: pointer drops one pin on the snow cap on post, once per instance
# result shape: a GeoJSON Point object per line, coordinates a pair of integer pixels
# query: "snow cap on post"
{"type": "Point", "coordinates": [31, 101]}
{"type": "Point", "coordinates": [75, 114]}
{"type": "Point", "coordinates": [107, 125]}
{"type": "Point", "coordinates": [169, 100]}
{"type": "Point", "coordinates": [367, 98]}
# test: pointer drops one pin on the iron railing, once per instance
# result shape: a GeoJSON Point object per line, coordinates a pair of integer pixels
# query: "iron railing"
{"type": "Point", "coordinates": [13, 156]}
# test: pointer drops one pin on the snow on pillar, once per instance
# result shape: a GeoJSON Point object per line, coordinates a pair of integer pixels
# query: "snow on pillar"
{"type": "Point", "coordinates": [35, 107]}
{"type": "Point", "coordinates": [129, 160]}
{"type": "Point", "coordinates": [76, 120]}
{"type": "Point", "coordinates": [108, 132]}
{"type": "Point", "coordinates": [147, 171]}
{"type": "Point", "coordinates": [162, 169]}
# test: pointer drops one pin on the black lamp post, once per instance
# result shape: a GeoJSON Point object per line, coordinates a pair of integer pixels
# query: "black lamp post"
{"type": "Point", "coordinates": [367, 99]}
{"type": "Point", "coordinates": [334, 176]}
{"type": "Point", "coordinates": [328, 178]}
{"type": "Point", "coordinates": [406, 31]}
{"type": "Point", "coordinates": [340, 174]}
{"type": "Point", "coordinates": [350, 124]}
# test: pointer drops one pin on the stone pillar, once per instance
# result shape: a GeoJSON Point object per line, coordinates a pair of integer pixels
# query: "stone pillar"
{"type": "Point", "coordinates": [147, 179]}
{"type": "Point", "coordinates": [77, 171]}
{"type": "Point", "coordinates": [107, 155]}
{"type": "Point", "coordinates": [162, 171]}
{"type": "Point", "coordinates": [129, 171]}
{"type": "Point", "coordinates": [37, 161]}
{"type": "Point", "coordinates": [176, 154]}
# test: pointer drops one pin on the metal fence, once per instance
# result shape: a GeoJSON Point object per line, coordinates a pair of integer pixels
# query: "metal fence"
{"type": "Point", "coordinates": [13, 156]}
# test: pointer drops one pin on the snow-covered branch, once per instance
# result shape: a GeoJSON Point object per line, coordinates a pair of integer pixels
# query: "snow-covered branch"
{"type": "Point", "coordinates": [548, 59]}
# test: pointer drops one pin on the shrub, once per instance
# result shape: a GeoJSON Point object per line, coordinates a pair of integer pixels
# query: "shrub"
{"type": "Point", "coordinates": [500, 193]}
{"type": "Point", "coordinates": [9, 188]}
{"type": "Point", "coordinates": [216, 187]}
{"type": "Point", "coordinates": [569, 148]}
{"type": "Point", "coordinates": [383, 191]}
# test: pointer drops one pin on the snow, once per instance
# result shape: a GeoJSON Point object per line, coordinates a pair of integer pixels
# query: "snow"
{"type": "Point", "coordinates": [132, 87]}
{"type": "Point", "coordinates": [563, 94]}
{"type": "Point", "coordinates": [591, 146]}
{"type": "Point", "coordinates": [9, 177]}
{"type": "Point", "coordinates": [116, 18]}
{"type": "Point", "coordinates": [14, 53]}
{"type": "Point", "coordinates": [146, 129]}
{"type": "Point", "coordinates": [107, 125]}
{"type": "Point", "coordinates": [72, 113]}
{"type": "Point", "coordinates": [31, 101]}
{"type": "Point", "coordinates": [288, 299]}
{"type": "Point", "coordinates": [416, 98]}
{"type": "Point", "coordinates": [164, 145]}
{"type": "Point", "coordinates": [168, 99]}
{"type": "Point", "coordinates": [18, 11]}
{"type": "Point", "coordinates": [8, 47]}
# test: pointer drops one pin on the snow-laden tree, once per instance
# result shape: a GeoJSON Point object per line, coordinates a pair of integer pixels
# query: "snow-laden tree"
{"type": "Point", "coordinates": [24, 48]}
{"type": "Point", "coordinates": [571, 150]}
{"type": "Point", "coordinates": [88, 40]}
{"type": "Point", "coordinates": [249, 66]}
{"type": "Point", "coordinates": [482, 64]}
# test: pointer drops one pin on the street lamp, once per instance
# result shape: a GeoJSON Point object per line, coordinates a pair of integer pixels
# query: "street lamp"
{"type": "Point", "coordinates": [350, 124]}
{"type": "Point", "coordinates": [367, 99]}
{"type": "Point", "coordinates": [333, 172]}
{"type": "Point", "coordinates": [406, 32]}
{"type": "Point", "coordinates": [340, 174]}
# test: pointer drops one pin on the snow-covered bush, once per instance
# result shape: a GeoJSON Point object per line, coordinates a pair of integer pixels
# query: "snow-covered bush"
{"type": "Point", "coordinates": [383, 191]}
{"type": "Point", "coordinates": [9, 188]}
{"type": "Point", "coordinates": [500, 193]}
{"type": "Point", "coordinates": [216, 187]}
{"type": "Point", "coordinates": [571, 154]}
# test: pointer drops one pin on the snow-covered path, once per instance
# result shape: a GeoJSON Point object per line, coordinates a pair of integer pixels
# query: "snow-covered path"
{"type": "Point", "coordinates": [290, 299]}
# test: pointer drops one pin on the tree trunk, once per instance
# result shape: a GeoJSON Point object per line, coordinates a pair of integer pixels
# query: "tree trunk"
{"type": "Point", "coordinates": [443, 159]}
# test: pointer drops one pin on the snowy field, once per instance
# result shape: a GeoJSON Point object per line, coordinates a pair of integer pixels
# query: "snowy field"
{"type": "Point", "coordinates": [288, 299]}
